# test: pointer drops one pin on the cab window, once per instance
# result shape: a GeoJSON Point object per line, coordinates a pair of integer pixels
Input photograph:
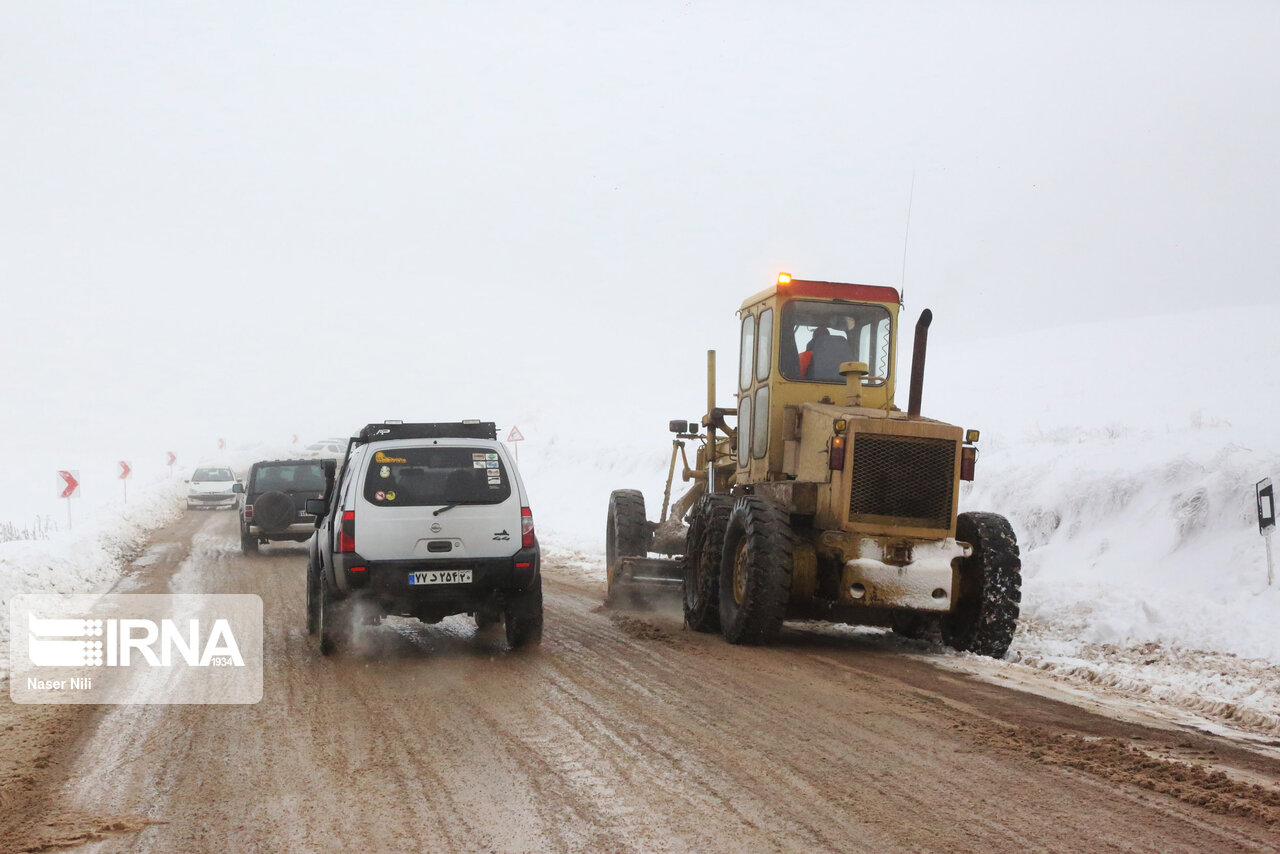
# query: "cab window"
{"type": "Point", "coordinates": [764, 345]}
{"type": "Point", "coordinates": [818, 336]}
{"type": "Point", "coordinates": [747, 353]}
{"type": "Point", "coordinates": [760, 424]}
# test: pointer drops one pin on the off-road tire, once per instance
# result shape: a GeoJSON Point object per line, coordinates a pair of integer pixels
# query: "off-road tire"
{"type": "Point", "coordinates": [313, 597]}
{"type": "Point", "coordinates": [335, 620]}
{"type": "Point", "coordinates": [985, 614]}
{"type": "Point", "coordinates": [758, 548]}
{"type": "Point", "coordinates": [248, 543]}
{"type": "Point", "coordinates": [704, 545]}
{"type": "Point", "coordinates": [274, 511]}
{"type": "Point", "coordinates": [486, 619]}
{"type": "Point", "coordinates": [523, 616]}
{"type": "Point", "coordinates": [627, 534]}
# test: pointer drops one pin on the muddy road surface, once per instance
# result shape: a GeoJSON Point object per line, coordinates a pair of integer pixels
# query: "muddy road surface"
{"type": "Point", "coordinates": [623, 732]}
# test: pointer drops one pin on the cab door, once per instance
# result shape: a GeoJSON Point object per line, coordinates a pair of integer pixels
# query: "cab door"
{"type": "Point", "coordinates": [755, 366]}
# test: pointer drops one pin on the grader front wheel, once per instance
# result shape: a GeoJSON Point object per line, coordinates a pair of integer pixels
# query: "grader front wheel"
{"type": "Point", "coordinates": [626, 535]}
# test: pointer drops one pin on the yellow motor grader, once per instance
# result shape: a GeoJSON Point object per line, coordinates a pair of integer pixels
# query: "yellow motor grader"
{"type": "Point", "coordinates": [823, 500]}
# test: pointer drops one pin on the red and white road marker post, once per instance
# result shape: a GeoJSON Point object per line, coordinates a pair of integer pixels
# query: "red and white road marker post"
{"type": "Point", "coordinates": [68, 488]}
{"type": "Point", "coordinates": [125, 471]}
{"type": "Point", "coordinates": [172, 459]}
{"type": "Point", "coordinates": [515, 437]}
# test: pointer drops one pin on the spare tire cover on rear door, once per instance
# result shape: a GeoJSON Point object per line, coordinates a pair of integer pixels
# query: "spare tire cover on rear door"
{"type": "Point", "coordinates": [274, 511]}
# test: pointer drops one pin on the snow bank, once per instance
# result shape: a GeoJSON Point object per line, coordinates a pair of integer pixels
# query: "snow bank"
{"type": "Point", "coordinates": [90, 557]}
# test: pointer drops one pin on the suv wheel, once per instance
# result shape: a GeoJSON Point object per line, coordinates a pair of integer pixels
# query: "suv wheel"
{"type": "Point", "coordinates": [335, 620]}
{"type": "Point", "coordinates": [313, 599]}
{"type": "Point", "coordinates": [523, 616]}
{"type": "Point", "coordinates": [248, 543]}
{"type": "Point", "coordinates": [486, 618]}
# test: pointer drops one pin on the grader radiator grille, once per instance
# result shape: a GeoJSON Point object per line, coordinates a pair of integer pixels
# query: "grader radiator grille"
{"type": "Point", "coordinates": [907, 477]}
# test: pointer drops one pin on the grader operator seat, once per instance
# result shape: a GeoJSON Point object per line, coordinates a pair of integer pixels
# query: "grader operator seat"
{"type": "Point", "coordinates": [827, 351]}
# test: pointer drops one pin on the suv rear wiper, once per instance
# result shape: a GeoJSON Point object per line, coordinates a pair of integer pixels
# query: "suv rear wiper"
{"type": "Point", "coordinates": [442, 509]}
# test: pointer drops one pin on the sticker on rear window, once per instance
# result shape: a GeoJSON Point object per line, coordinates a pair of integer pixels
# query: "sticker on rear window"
{"type": "Point", "coordinates": [380, 457]}
{"type": "Point", "coordinates": [379, 496]}
{"type": "Point", "coordinates": [478, 464]}
{"type": "Point", "coordinates": [490, 456]}
{"type": "Point", "coordinates": [391, 496]}
{"type": "Point", "coordinates": [477, 456]}
{"type": "Point", "coordinates": [385, 471]}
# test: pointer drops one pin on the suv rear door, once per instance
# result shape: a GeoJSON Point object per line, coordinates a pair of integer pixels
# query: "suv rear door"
{"type": "Point", "coordinates": [413, 499]}
{"type": "Point", "coordinates": [300, 480]}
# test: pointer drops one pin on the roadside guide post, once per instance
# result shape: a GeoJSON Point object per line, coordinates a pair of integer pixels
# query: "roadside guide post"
{"type": "Point", "coordinates": [515, 437]}
{"type": "Point", "coordinates": [125, 469]}
{"type": "Point", "coordinates": [68, 487]}
{"type": "Point", "coordinates": [1266, 518]}
{"type": "Point", "coordinates": [172, 460]}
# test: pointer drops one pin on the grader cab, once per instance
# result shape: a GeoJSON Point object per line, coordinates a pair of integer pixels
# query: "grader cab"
{"type": "Point", "coordinates": [823, 500]}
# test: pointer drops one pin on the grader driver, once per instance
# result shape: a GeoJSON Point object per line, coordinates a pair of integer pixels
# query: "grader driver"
{"type": "Point", "coordinates": [824, 500]}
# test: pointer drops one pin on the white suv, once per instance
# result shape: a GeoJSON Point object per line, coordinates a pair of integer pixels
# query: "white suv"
{"type": "Point", "coordinates": [425, 520]}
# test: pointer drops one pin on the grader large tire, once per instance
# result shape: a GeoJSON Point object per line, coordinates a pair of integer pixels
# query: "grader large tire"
{"type": "Point", "coordinates": [704, 545]}
{"type": "Point", "coordinates": [755, 572]}
{"type": "Point", "coordinates": [626, 535]}
{"type": "Point", "coordinates": [986, 609]}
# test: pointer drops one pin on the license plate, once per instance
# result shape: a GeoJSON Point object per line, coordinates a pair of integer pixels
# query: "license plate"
{"type": "Point", "coordinates": [447, 576]}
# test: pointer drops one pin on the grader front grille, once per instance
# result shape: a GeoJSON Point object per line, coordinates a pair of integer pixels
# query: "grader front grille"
{"type": "Point", "coordinates": [906, 477]}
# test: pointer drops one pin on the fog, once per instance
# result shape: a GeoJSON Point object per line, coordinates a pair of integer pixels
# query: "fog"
{"type": "Point", "coordinates": [253, 220]}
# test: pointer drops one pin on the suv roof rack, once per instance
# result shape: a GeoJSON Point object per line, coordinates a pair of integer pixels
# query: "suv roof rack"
{"type": "Point", "coordinates": [432, 430]}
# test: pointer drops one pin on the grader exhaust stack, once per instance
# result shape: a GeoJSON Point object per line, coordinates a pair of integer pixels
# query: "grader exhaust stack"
{"type": "Point", "coordinates": [917, 362]}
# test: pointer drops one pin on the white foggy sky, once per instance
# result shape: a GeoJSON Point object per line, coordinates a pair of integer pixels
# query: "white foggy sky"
{"type": "Point", "coordinates": [251, 219]}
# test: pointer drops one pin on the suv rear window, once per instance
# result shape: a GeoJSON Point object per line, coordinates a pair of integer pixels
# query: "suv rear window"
{"type": "Point", "coordinates": [295, 477]}
{"type": "Point", "coordinates": [429, 477]}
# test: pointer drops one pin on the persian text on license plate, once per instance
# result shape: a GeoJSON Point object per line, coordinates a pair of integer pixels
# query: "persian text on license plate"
{"type": "Point", "coordinates": [446, 576]}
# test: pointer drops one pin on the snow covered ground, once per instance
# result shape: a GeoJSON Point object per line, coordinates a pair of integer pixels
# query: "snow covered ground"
{"type": "Point", "coordinates": [89, 557]}
{"type": "Point", "coordinates": [1124, 452]}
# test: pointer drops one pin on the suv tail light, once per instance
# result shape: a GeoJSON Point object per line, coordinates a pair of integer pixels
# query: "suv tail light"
{"type": "Point", "coordinates": [347, 533]}
{"type": "Point", "coordinates": [248, 511]}
{"type": "Point", "coordinates": [968, 461]}
{"type": "Point", "coordinates": [527, 539]}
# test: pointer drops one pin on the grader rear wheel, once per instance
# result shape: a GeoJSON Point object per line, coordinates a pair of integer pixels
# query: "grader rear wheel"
{"type": "Point", "coordinates": [626, 535]}
{"type": "Point", "coordinates": [755, 572]}
{"type": "Point", "coordinates": [986, 609]}
{"type": "Point", "coordinates": [703, 547]}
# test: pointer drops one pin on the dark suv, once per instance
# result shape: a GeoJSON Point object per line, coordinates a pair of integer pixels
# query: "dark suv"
{"type": "Point", "coordinates": [275, 500]}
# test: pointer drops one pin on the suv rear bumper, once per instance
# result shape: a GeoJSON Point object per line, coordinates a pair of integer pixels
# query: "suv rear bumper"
{"type": "Point", "coordinates": [298, 532]}
{"type": "Point", "coordinates": [388, 580]}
